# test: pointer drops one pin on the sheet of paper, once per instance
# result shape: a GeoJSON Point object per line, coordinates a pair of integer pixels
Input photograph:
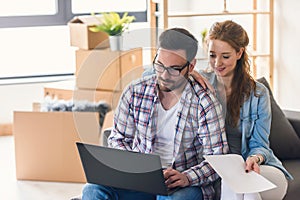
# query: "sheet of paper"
{"type": "Point", "coordinates": [231, 168]}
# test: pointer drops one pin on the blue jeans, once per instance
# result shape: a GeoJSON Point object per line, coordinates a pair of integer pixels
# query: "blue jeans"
{"type": "Point", "coordinates": [187, 193]}
{"type": "Point", "coordinates": [99, 192]}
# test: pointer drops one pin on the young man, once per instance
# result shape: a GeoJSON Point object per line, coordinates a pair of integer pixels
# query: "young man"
{"type": "Point", "coordinates": [169, 114]}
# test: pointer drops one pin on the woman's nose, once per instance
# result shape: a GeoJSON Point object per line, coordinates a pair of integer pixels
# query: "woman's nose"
{"type": "Point", "coordinates": [218, 62]}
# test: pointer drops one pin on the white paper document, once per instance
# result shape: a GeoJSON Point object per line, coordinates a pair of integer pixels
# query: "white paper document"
{"type": "Point", "coordinates": [231, 168]}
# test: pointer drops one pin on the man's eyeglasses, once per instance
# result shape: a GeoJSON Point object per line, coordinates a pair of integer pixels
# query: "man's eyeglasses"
{"type": "Point", "coordinates": [173, 70]}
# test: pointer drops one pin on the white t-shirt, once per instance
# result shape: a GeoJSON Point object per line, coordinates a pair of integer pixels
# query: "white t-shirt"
{"type": "Point", "coordinates": [165, 135]}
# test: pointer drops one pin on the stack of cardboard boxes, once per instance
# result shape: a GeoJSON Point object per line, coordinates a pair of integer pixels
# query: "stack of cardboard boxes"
{"type": "Point", "coordinates": [45, 141]}
{"type": "Point", "coordinates": [99, 71]}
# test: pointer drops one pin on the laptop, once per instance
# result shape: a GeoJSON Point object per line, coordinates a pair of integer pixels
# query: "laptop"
{"type": "Point", "coordinates": [123, 169]}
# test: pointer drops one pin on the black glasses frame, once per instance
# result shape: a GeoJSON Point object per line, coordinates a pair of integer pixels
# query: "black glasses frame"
{"type": "Point", "coordinates": [170, 69]}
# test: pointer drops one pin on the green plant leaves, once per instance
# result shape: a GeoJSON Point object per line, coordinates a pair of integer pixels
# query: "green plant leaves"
{"type": "Point", "coordinates": [112, 24]}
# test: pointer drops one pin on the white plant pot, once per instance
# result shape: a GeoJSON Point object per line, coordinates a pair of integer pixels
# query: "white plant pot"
{"type": "Point", "coordinates": [116, 42]}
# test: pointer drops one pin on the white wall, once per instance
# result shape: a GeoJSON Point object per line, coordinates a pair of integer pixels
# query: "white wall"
{"type": "Point", "coordinates": [21, 96]}
{"type": "Point", "coordinates": [286, 89]}
{"type": "Point", "coordinates": [287, 57]}
{"type": "Point", "coordinates": [18, 97]}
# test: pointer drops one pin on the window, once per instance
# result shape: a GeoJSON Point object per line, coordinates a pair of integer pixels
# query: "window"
{"type": "Point", "coordinates": [25, 8]}
{"type": "Point", "coordinates": [28, 13]}
{"type": "Point", "coordinates": [79, 6]}
{"type": "Point", "coordinates": [34, 35]}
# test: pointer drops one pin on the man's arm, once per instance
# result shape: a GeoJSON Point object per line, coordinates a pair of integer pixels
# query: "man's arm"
{"type": "Point", "coordinates": [122, 134]}
{"type": "Point", "coordinates": [211, 134]}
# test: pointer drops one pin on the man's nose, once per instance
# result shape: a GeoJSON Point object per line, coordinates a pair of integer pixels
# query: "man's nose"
{"type": "Point", "coordinates": [165, 73]}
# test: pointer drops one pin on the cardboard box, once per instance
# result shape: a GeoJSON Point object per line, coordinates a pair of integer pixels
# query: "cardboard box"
{"type": "Point", "coordinates": [82, 37]}
{"type": "Point", "coordinates": [36, 106]}
{"type": "Point", "coordinates": [5, 129]}
{"type": "Point", "coordinates": [104, 69]}
{"type": "Point", "coordinates": [108, 120]}
{"type": "Point", "coordinates": [107, 127]}
{"type": "Point", "coordinates": [66, 90]}
{"type": "Point", "coordinates": [45, 148]}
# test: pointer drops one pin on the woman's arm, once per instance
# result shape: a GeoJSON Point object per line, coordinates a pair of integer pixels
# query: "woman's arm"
{"type": "Point", "coordinates": [259, 150]}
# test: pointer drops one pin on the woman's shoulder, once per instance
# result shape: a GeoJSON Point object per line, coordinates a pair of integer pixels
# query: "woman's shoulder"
{"type": "Point", "coordinates": [258, 97]}
{"type": "Point", "coordinates": [208, 74]}
{"type": "Point", "coordinates": [261, 89]}
{"type": "Point", "coordinates": [258, 101]}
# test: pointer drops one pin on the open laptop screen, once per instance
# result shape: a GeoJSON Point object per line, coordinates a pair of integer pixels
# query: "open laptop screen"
{"type": "Point", "coordinates": [122, 169]}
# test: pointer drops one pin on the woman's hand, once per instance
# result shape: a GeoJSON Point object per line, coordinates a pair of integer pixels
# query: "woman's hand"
{"type": "Point", "coordinates": [252, 164]}
{"type": "Point", "coordinates": [202, 81]}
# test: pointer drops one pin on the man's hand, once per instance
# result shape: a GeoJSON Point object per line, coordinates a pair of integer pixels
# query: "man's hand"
{"type": "Point", "coordinates": [174, 178]}
{"type": "Point", "coordinates": [202, 81]}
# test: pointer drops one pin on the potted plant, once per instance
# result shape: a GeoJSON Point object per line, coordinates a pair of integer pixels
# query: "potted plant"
{"type": "Point", "coordinates": [114, 26]}
{"type": "Point", "coordinates": [203, 51]}
{"type": "Point", "coordinates": [204, 39]}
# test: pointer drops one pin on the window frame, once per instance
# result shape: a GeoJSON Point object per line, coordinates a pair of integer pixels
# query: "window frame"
{"type": "Point", "coordinates": [62, 17]}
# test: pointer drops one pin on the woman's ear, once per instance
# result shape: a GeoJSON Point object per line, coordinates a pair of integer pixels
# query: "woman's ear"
{"type": "Point", "coordinates": [240, 53]}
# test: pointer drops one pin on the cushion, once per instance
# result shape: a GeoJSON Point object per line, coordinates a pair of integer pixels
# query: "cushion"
{"type": "Point", "coordinates": [293, 191]}
{"type": "Point", "coordinates": [284, 140]}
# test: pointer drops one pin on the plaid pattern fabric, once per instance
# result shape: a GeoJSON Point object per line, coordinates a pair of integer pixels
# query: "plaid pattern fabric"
{"type": "Point", "coordinates": [199, 128]}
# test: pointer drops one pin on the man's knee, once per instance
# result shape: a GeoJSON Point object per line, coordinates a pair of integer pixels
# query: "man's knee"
{"type": "Point", "coordinates": [93, 192]}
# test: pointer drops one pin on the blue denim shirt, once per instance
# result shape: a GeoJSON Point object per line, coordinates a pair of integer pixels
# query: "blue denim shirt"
{"type": "Point", "coordinates": [255, 124]}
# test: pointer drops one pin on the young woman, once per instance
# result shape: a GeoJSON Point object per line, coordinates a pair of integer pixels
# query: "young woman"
{"type": "Point", "coordinates": [246, 107]}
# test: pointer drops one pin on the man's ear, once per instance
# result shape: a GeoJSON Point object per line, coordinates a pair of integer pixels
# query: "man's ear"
{"type": "Point", "coordinates": [192, 65]}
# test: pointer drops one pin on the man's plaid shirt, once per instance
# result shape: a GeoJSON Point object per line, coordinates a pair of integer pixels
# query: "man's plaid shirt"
{"type": "Point", "coordinates": [199, 129]}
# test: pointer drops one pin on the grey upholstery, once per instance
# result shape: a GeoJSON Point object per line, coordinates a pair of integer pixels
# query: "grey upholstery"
{"type": "Point", "coordinates": [293, 165]}
{"type": "Point", "coordinates": [285, 142]}
{"type": "Point", "coordinates": [105, 135]}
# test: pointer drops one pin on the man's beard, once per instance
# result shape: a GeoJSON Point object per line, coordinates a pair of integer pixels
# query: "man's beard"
{"type": "Point", "coordinates": [171, 85]}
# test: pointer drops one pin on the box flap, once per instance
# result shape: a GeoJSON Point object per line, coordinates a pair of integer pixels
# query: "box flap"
{"type": "Point", "coordinates": [89, 20]}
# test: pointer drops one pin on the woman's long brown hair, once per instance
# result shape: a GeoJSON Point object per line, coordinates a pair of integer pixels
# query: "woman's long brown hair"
{"type": "Point", "coordinates": [243, 83]}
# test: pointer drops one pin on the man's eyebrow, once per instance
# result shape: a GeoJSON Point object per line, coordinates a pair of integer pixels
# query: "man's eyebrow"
{"type": "Point", "coordinates": [159, 62]}
{"type": "Point", "coordinates": [171, 66]}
